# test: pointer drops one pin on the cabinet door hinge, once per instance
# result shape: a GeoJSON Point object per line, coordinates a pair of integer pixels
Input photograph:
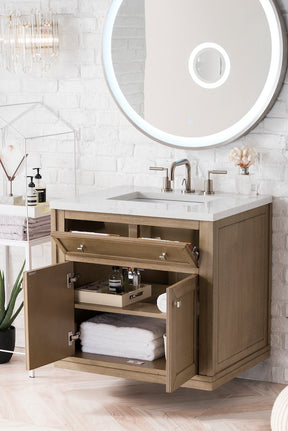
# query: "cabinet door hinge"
{"type": "Point", "coordinates": [73, 337]}
{"type": "Point", "coordinates": [72, 278]}
{"type": "Point", "coordinates": [196, 252]}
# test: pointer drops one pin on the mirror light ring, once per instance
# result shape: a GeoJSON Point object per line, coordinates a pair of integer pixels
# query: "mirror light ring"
{"type": "Point", "coordinates": [276, 70]}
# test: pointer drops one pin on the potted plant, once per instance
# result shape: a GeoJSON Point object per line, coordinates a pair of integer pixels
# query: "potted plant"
{"type": "Point", "coordinates": [7, 316]}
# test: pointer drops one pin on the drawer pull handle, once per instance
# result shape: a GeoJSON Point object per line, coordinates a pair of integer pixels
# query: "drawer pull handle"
{"type": "Point", "coordinates": [177, 304]}
{"type": "Point", "coordinates": [81, 247]}
{"type": "Point", "coordinates": [163, 256]}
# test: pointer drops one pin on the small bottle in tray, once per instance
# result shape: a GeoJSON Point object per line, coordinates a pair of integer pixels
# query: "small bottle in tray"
{"type": "Point", "coordinates": [116, 281]}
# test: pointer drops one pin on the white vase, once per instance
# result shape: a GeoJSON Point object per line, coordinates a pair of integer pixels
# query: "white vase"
{"type": "Point", "coordinates": [243, 182]}
{"type": "Point", "coordinates": [279, 416]}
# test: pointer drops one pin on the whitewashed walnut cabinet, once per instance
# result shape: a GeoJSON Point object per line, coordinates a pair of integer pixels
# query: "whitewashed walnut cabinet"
{"type": "Point", "coordinates": [218, 302]}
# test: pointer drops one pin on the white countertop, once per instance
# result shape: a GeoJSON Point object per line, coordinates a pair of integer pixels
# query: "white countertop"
{"type": "Point", "coordinates": [150, 202]}
{"type": "Point", "coordinates": [198, 207]}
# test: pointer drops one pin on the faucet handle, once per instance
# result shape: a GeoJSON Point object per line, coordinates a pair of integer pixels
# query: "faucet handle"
{"type": "Point", "coordinates": [208, 186]}
{"type": "Point", "coordinates": [166, 181]}
{"type": "Point", "coordinates": [217, 171]}
{"type": "Point", "coordinates": [158, 168]}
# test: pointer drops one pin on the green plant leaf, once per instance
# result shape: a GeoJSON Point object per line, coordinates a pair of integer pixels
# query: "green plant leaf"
{"type": "Point", "coordinates": [18, 282]}
{"type": "Point", "coordinates": [4, 323]}
{"type": "Point", "coordinates": [2, 296]}
{"type": "Point", "coordinates": [15, 315]}
{"type": "Point", "coordinates": [15, 292]}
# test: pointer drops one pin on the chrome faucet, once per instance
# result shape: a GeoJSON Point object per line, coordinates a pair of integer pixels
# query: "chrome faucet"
{"type": "Point", "coordinates": [187, 178]}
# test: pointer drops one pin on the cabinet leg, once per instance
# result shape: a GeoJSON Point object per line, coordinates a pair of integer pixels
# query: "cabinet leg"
{"type": "Point", "coordinates": [32, 374]}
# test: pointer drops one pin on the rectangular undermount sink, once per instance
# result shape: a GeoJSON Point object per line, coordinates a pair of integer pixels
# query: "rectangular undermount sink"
{"type": "Point", "coordinates": [163, 197]}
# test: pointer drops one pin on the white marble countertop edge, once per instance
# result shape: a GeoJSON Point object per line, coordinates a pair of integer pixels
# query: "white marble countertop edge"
{"type": "Point", "coordinates": [219, 206]}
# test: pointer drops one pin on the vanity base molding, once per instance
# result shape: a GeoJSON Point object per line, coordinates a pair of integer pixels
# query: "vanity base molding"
{"type": "Point", "coordinates": [211, 383]}
{"type": "Point", "coordinates": [218, 307]}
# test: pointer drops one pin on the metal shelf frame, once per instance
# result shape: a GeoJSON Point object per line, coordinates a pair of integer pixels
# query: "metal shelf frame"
{"type": "Point", "coordinates": [9, 121]}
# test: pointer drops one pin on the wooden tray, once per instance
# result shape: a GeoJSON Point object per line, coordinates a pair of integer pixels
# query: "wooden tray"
{"type": "Point", "coordinates": [102, 296]}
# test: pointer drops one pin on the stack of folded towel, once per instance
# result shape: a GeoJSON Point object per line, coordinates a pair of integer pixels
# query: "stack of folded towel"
{"type": "Point", "coordinates": [15, 227]}
{"type": "Point", "coordinates": [125, 336]}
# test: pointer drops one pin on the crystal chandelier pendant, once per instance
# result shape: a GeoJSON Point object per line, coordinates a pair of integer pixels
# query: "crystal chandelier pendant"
{"type": "Point", "coordinates": [29, 40]}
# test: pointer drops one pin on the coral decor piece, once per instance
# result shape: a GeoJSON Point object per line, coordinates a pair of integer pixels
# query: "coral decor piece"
{"type": "Point", "coordinates": [243, 157]}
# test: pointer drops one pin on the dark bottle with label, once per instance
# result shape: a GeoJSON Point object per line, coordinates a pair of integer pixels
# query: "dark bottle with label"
{"type": "Point", "coordinates": [116, 281]}
{"type": "Point", "coordinates": [40, 187]}
{"type": "Point", "coordinates": [31, 193]}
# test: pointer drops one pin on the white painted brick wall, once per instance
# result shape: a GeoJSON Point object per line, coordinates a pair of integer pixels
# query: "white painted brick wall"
{"type": "Point", "coordinates": [112, 152]}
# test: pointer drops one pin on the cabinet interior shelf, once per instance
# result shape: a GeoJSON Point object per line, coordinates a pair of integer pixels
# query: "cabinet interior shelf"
{"type": "Point", "coordinates": [146, 309]}
{"type": "Point", "coordinates": [157, 366]}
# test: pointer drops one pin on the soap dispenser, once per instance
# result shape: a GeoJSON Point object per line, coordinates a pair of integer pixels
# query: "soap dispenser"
{"type": "Point", "coordinates": [31, 193]}
{"type": "Point", "coordinates": [40, 187]}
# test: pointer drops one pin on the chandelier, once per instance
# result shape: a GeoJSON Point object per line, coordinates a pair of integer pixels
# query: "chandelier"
{"type": "Point", "coordinates": [29, 40]}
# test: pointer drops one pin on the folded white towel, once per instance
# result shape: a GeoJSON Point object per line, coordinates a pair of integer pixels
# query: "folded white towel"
{"type": "Point", "coordinates": [129, 353]}
{"type": "Point", "coordinates": [124, 336]}
{"type": "Point", "coordinates": [23, 237]}
{"type": "Point", "coordinates": [15, 220]}
{"type": "Point", "coordinates": [122, 344]}
{"type": "Point", "coordinates": [23, 228]}
{"type": "Point", "coordinates": [111, 325]}
{"type": "Point", "coordinates": [22, 221]}
{"type": "Point", "coordinates": [162, 302]}
{"type": "Point", "coordinates": [16, 227]}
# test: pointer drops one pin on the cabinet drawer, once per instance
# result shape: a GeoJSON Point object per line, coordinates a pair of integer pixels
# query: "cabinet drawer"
{"type": "Point", "coordinates": [137, 252]}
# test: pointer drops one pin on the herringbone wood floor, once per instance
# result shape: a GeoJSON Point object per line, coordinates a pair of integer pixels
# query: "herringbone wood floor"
{"type": "Point", "coordinates": [68, 401]}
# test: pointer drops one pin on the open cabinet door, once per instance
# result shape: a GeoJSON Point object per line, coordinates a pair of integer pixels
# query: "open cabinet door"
{"type": "Point", "coordinates": [181, 332]}
{"type": "Point", "coordinates": [49, 314]}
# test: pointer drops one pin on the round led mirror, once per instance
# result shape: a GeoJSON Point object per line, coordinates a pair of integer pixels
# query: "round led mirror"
{"type": "Point", "coordinates": [194, 79]}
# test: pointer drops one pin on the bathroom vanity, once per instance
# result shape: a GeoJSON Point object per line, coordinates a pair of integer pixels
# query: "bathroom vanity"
{"type": "Point", "coordinates": [211, 254]}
